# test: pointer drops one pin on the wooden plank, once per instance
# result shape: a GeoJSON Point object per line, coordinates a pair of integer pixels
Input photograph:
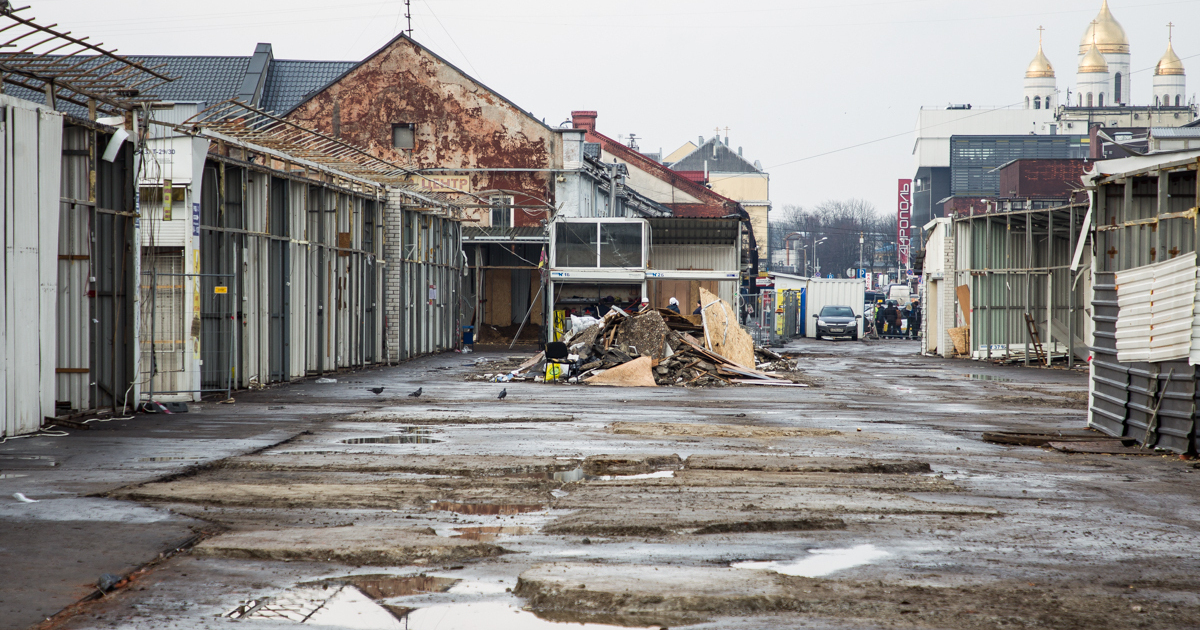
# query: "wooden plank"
{"type": "Point", "coordinates": [723, 333]}
{"type": "Point", "coordinates": [964, 302]}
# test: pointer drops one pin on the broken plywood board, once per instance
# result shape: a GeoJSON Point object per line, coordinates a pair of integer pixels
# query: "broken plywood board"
{"type": "Point", "coordinates": [636, 373]}
{"type": "Point", "coordinates": [646, 332]}
{"type": "Point", "coordinates": [722, 332]}
{"type": "Point", "coordinates": [964, 302]}
{"type": "Point", "coordinates": [361, 545]}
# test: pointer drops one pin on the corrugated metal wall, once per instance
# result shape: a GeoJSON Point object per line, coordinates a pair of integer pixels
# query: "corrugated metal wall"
{"type": "Point", "coordinates": [30, 165]}
{"type": "Point", "coordinates": [1140, 219]}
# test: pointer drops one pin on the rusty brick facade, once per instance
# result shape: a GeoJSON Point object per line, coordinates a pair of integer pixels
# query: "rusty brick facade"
{"type": "Point", "coordinates": [456, 121]}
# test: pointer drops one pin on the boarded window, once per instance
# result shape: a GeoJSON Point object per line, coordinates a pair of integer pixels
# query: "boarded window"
{"type": "Point", "coordinates": [402, 136]}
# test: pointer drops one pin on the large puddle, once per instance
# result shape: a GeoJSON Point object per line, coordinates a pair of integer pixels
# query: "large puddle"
{"type": "Point", "coordinates": [572, 476]}
{"type": "Point", "coordinates": [821, 562]}
{"type": "Point", "coordinates": [488, 534]}
{"type": "Point", "coordinates": [393, 439]}
{"type": "Point", "coordinates": [383, 586]}
{"type": "Point", "coordinates": [485, 509]}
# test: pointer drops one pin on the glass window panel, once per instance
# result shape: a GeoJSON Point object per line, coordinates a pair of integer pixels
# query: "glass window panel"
{"type": "Point", "coordinates": [621, 245]}
{"type": "Point", "coordinates": [575, 245]}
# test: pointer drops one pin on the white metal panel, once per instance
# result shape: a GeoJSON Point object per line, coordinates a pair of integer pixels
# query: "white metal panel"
{"type": "Point", "coordinates": [833, 292]}
{"type": "Point", "coordinates": [49, 165]}
{"type": "Point", "coordinates": [1134, 287]}
{"type": "Point", "coordinates": [694, 257]}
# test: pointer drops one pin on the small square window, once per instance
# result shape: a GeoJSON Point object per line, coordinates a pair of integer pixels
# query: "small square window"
{"type": "Point", "coordinates": [402, 136]}
{"type": "Point", "coordinates": [501, 210]}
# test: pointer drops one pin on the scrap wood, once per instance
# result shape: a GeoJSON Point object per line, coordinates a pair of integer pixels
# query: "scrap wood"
{"type": "Point", "coordinates": [716, 358]}
{"type": "Point", "coordinates": [635, 373]}
{"type": "Point", "coordinates": [723, 332]}
{"type": "Point", "coordinates": [1016, 438]}
{"type": "Point", "coordinates": [737, 371]}
{"type": "Point", "coordinates": [530, 363]}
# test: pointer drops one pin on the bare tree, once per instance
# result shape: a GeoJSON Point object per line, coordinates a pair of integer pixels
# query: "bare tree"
{"type": "Point", "coordinates": [824, 239]}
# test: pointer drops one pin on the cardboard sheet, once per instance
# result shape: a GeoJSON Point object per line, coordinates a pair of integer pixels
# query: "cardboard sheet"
{"type": "Point", "coordinates": [722, 332]}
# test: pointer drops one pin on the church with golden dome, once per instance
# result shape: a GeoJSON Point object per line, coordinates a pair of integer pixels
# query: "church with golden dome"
{"type": "Point", "coordinates": [1103, 84]}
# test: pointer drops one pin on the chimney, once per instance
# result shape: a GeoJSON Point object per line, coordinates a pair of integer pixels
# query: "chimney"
{"type": "Point", "coordinates": [584, 120]}
{"type": "Point", "coordinates": [739, 151]}
{"type": "Point", "coordinates": [700, 141]}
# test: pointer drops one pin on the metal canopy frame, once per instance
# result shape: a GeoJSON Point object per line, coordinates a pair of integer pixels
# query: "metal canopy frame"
{"type": "Point", "coordinates": [72, 69]}
{"type": "Point", "coordinates": [240, 121]}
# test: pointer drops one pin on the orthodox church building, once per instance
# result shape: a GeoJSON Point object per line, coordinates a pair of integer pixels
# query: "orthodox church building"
{"type": "Point", "coordinates": [1103, 90]}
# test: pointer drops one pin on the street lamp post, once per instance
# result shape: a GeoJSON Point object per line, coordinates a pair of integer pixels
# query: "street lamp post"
{"type": "Point", "coordinates": [816, 262]}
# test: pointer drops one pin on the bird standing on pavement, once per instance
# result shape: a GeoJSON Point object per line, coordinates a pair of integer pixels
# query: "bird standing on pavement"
{"type": "Point", "coordinates": [375, 390]}
{"type": "Point", "coordinates": [416, 394]}
{"type": "Point", "coordinates": [503, 393]}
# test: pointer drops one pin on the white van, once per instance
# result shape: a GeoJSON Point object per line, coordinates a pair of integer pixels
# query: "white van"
{"type": "Point", "coordinates": [900, 293]}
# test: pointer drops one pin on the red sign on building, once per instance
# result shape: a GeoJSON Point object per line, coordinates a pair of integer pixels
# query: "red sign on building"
{"type": "Point", "coordinates": [903, 217]}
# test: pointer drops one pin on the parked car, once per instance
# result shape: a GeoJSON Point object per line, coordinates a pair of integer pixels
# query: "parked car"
{"type": "Point", "coordinates": [837, 321]}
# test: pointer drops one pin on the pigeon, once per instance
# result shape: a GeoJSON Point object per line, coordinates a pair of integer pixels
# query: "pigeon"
{"type": "Point", "coordinates": [375, 390]}
{"type": "Point", "coordinates": [503, 393]}
{"type": "Point", "coordinates": [416, 394]}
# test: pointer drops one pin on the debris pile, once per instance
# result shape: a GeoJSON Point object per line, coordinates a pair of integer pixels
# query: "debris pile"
{"type": "Point", "coordinates": [658, 347]}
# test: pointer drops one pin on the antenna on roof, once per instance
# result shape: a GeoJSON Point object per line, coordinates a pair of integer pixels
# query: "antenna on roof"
{"type": "Point", "coordinates": [408, 16]}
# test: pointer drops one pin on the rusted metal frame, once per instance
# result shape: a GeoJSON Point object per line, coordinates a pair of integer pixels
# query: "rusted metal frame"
{"type": "Point", "coordinates": [259, 168]}
{"type": "Point", "coordinates": [123, 106]}
{"type": "Point", "coordinates": [1050, 288]}
{"type": "Point", "coordinates": [79, 42]}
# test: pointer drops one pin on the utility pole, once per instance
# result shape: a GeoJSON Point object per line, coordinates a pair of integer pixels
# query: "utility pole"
{"type": "Point", "coordinates": [860, 254]}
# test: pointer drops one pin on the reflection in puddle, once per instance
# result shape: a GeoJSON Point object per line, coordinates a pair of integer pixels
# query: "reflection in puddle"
{"type": "Point", "coordinates": [306, 453]}
{"type": "Point", "coordinates": [822, 562]}
{"type": "Point", "coordinates": [384, 586]}
{"type": "Point", "coordinates": [485, 509]}
{"type": "Point", "coordinates": [28, 461]}
{"type": "Point", "coordinates": [163, 458]}
{"type": "Point", "coordinates": [393, 439]}
{"type": "Point", "coordinates": [662, 474]}
{"type": "Point", "coordinates": [10, 476]}
{"type": "Point", "coordinates": [987, 377]}
{"type": "Point", "coordinates": [572, 476]}
{"type": "Point", "coordinates": [487, 534]}
{"type": "Point", "coordinates": [343, 607]}
{"type": "Point", "coordinates": [490, 615]}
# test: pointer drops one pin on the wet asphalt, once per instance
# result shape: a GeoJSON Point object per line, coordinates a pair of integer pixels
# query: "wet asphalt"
{"type": "Point", "coordinates": [1126, 525]}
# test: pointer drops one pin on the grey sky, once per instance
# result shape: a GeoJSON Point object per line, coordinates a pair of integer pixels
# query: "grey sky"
{"type": "Point", "coordinates": [790, 79]}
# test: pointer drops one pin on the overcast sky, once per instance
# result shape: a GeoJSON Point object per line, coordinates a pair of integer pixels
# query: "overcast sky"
{"type": "Point", "coordinates": [792, 80]}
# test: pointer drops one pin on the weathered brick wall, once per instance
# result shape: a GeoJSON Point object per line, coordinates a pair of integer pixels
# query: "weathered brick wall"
{"type": "Point", "coordinates": [393, 214]}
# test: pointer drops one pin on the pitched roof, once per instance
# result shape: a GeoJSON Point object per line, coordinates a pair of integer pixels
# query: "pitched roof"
{"type": "Point", "coordinates": [714, 205]}
{"type": "Point", "coordinates": [290, 83]}
{"type": "Point", "coordinates": [720, 159]}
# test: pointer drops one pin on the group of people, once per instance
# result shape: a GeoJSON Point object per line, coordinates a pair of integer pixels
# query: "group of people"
{"type": "Point", "coordinates": [889, 319]}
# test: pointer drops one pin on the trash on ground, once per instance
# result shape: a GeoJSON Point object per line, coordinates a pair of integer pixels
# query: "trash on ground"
{"type": "Point", "coordinates": [325, 381]}
{"type": "Point", "coordinates": [656, 347]}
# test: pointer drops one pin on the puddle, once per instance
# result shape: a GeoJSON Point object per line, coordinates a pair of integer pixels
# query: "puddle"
{"type": "Point", "coordinates": [342, 607]}
{"type": "Point", "coordinates": [490, 615]}
{"type": "Point", "coordinates": [488, 534]}
{"type": "Point", "coordinates": [28, 461]}
{"type": "Point", "coordinates": [384, 586]}
{"type": "Point", "coordinates": [393, 439]}
{"type": "Point", "coordinates": [986, 377]}
{"type": "Point", "coordinates": [485, 509]}
{"type": "Point", "coordinates": [306, 453]}
{"type": "Point", "coordinates": [163, 459]}
{"type": "Point", "coordinates": [572, 476]}
{"type": "Point", "coordinates": [10, 476]}
{"type": "Point", "coordinates": [822, 561]}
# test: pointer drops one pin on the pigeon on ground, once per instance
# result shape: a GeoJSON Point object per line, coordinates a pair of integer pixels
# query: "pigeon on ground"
{"type": "Point", "coordinates": [375, 390]}
{"type": "Point", "coordinates": [416, 394]}
{"type": "Point", "coordinates": [503, 393]}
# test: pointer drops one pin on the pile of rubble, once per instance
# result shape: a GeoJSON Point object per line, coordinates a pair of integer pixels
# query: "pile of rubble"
{"type": "Point", "coordinates": [658, 347]}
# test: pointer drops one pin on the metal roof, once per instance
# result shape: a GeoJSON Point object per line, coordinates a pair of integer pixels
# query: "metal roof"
{"type": "Point", "coordinates": [1175, 132]}
{"type": "Point", "coordinates": [721, 160]}
{"type": "Point", "coordinates": [480, 233]}
{"type": "Point", "coordinates": [289, 83]}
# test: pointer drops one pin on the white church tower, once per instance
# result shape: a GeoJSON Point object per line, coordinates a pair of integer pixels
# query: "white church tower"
{"type": "Point", "coordinates": [1169, 80]}
{"type": "Point", "coordinates": [1040, 86]}
{"type": "Point", "coordinates": [1107, 36]}
{"type": "Point", "coordinates": [1092, 86]}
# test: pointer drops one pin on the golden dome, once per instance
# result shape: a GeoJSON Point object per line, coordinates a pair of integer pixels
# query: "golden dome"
{"type": "Point", "coordinates": [1040, 66]}
{"type": "Point", "coordinates": [1093, 61]}
{"type": "Point", "coordinates": [1170, 63]}
{"type": "Point", "coordinates": [1106, 33]}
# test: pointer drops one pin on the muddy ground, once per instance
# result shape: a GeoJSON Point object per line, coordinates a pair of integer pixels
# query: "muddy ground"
{"type": "Point", "coordinates": [867, 500]}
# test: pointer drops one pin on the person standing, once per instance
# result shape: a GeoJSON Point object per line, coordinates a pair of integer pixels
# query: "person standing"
{"type": "Point", "coordinates": [914, 324]}
{"type": "Point", "coordinates": [673, 306]}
